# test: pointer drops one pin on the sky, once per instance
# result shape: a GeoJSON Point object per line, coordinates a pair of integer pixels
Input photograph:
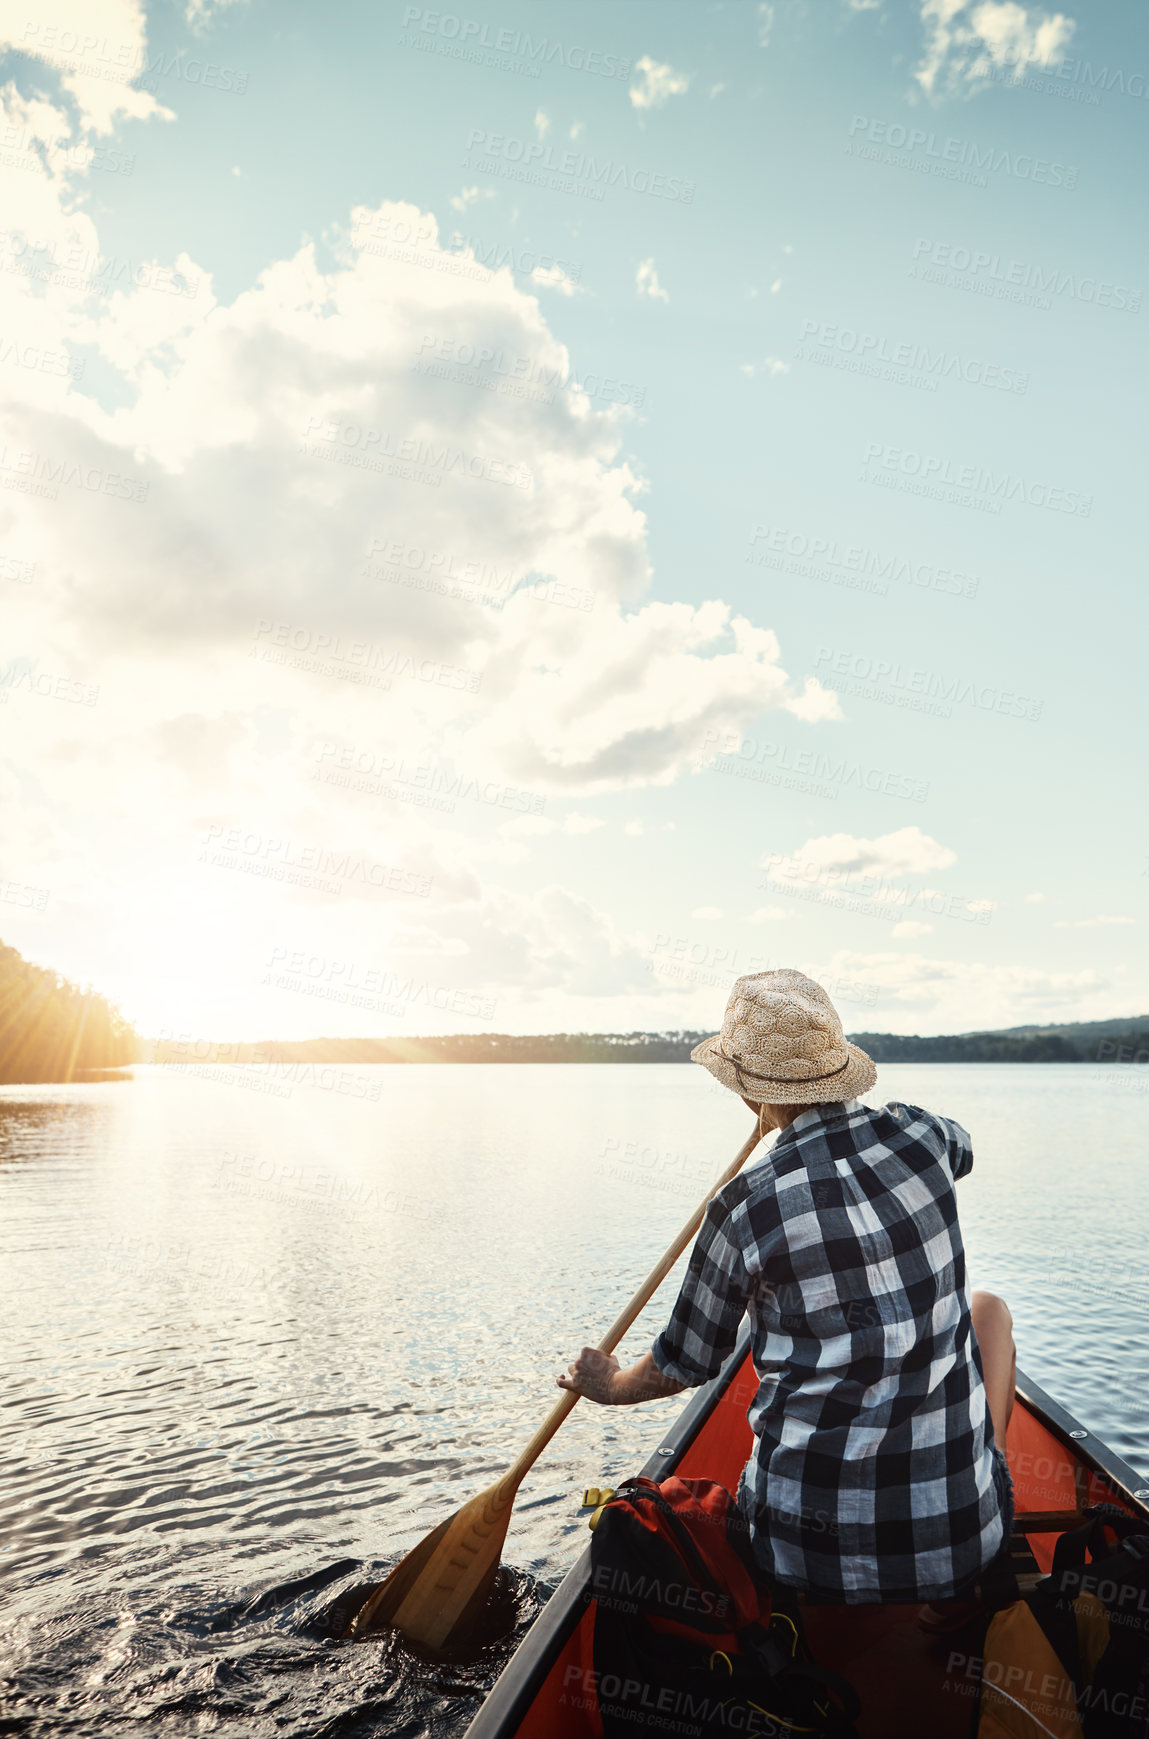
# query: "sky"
{"type": "Point", "coordinates": [510, 518]}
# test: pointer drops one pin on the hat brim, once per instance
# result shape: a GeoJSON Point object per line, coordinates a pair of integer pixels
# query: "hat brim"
{"type": "Point", "coordinates": [857, 1077]}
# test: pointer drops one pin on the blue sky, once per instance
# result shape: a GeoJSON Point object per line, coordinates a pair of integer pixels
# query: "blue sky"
{"type": "Point", "coordinates": [511, 538]}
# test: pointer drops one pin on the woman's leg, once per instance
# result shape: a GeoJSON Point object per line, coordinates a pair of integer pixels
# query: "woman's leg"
{"type": "Point", "coordinates": [993, 1326]}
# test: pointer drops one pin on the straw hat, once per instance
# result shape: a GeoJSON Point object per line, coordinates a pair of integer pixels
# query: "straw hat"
{"type": "Point", "coordinates": [782, 1044]}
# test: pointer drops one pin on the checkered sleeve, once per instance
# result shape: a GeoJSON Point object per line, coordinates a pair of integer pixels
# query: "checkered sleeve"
{"type": "Point", "coordinates": [959, 1147]}
{"type": "Point", "coordinates": [704, 1323]}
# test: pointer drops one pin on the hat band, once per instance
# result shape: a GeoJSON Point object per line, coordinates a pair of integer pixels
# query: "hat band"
{"type": "Point", "coordinates": [780, 1080]}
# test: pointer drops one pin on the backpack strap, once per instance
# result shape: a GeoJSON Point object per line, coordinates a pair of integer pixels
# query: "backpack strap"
{"type": "Point", "coordinates": [834, 1688]}
{"type": "Point", "coordinates": [1069, 1552]}
{"type": "Point", "coordinates": [680, 1533]}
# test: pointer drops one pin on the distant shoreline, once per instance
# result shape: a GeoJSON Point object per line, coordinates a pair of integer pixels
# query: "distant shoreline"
{"type": "Point", "coordinates": [1123, 1040]}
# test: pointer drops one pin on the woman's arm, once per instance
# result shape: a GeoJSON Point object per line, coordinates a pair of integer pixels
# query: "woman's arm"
{"type": "Point", "coordinates": [600, 1378]}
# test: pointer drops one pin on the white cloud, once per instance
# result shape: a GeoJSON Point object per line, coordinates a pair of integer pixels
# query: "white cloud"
{"type": "Point", "coordinates": [468, 196]}
{"type": "Point", "coordinates": [775, 286]}
{"type": "Point", "coordinates": [716, 90]}
{"type": "Point", "coordinates": [909, 851]}
{"type": "Point", "coordinates": [656, 84]}
{"type": "Point", "coordinates": [1035, 899]}
{"type": "Point", "coordinates": [554, 278]}
{"type": "Point", "coordinates": [815, 705]}
{"type": "Point", "coordinates": [633, 829]}
{"type": "Point", "coordinates": [576, 129]}
{"type": "Point", "coordinates": [611, 700]}
{"type": "Point", "coordinates": [646, 281]}
{"type": "Point", "coordinates": [966, 41]}
{"type": "Point", "coordinates": [765, 23]}
{"type": "Point", "coordinates": [268, 439]}
{"type": "Point", "coordinates": [56, 32]}
{"type": "Point", "coordinates": [910, 927]}
{"type": "Point", "coordinates": [199, 13]}
{"type": "Point", "coordinates": [766, 914]}
{"type": "Point", "coordinates": [573, 823]}
{"type": "Point", "coordinates": [542, 123]}
{"type": "Point", "coordinates": [706, 914]}
{"type": "Point", "coordinates": [770, 366]}
{"type": "Point", "coordinates": [917, 993]}
{"type": "Point", "coordinates": [1091, 923]}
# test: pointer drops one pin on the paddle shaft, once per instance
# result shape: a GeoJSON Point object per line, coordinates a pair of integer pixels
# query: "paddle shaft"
{"type": "Point", "coordinates": [627, 1317]}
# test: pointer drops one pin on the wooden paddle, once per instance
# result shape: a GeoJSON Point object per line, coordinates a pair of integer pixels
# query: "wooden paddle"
{"type": "Point", "coordinates": [438, 1589]}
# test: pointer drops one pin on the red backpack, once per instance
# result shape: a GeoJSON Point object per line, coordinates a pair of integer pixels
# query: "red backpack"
{"type": "Point", "coordinates": [688, 1636]}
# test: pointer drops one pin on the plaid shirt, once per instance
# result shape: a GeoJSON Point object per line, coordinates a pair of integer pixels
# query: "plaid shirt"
{"type": "Point", "coordinates": [872, 1477]}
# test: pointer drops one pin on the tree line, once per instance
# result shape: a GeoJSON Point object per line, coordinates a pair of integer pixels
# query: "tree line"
{"type": "Point", "coordinates": [52, 1030]}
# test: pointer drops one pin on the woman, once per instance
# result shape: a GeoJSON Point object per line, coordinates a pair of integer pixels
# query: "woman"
{"type": "Point", "coordinates": [884, 1389]}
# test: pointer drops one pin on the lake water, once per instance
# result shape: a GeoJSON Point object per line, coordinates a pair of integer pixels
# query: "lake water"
{"type": "Point", "coordinates": [262, 1330]}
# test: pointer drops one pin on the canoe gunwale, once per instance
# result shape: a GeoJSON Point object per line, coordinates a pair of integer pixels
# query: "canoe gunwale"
{"type": "Point", "coordinates": [512, 1693]}
{"type": "Point", "coordinates": [1089, 1449]}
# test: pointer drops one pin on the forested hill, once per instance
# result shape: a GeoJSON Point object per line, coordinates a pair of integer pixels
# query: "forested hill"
{"type": "Point", "coordinates": [1120, 1040]}
{"type": "Point", "coordinates": [1097, 1041]}
{"type": "Point", "coordinates": [51, 1030]}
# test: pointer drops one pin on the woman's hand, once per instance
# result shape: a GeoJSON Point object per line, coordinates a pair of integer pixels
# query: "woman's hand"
{"type": "Point", "coordinates": [592, 1374]}
{"type": "Point", "coordinates": [599, 1377]}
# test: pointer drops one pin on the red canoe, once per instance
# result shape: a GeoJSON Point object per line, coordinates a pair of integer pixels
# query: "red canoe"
{"type": "Point", "coordinates": [907, 1681]}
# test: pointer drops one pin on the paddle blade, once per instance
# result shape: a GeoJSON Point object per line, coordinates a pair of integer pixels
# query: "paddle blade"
{"type": "Point", "coordinates": [438, 1589]}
